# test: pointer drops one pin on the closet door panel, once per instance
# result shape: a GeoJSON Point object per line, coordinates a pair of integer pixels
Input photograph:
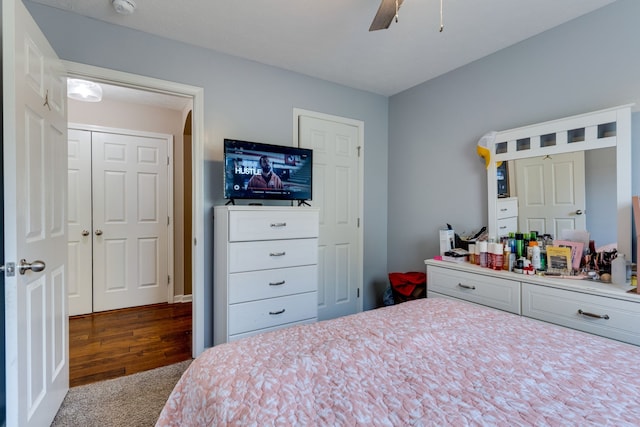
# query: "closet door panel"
{"type": "Point", "coordinates": [79, 289]}
{"type": "Point", "coordinates": [130, 215]}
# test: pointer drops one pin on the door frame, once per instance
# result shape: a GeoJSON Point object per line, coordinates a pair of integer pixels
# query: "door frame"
{"type": "Point", "coordinates": [297, 112]}
{"type": "Point", "coordinates": [75, 69]}
{"type": "Point", "coordinates": [170, 190]}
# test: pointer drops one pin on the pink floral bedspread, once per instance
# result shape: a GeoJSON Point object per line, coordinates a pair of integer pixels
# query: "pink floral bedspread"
{"type": "Point", "coordinates": [426, 362]}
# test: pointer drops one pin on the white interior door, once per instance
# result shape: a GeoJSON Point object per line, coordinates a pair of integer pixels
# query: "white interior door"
{"type": "Point", "coordinates": [79, 223]}
{"type": "Point", "coordinates": [551, 193]}
{"type": "Point", "coordinates": [130, 220]}
{"type": "Point", "coordinates": [35, 182]}
{"type": "Point", "coordinates": [336, 191]}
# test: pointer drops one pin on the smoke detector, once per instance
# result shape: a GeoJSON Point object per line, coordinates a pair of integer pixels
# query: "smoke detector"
{"type": "Point", "coordinates": [124, 7]}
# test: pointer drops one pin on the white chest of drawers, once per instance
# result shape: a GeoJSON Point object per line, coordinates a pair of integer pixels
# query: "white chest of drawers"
{"type": "Point", "coordinates": [265, 269]}
{"type": "Point", "coordinates": [598, 308]}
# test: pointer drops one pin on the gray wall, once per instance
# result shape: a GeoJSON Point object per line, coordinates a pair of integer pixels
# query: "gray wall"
{"type": "Point", "coordinates": [243, 100]}
{"type": "Point", "coordinates": [436, 176]}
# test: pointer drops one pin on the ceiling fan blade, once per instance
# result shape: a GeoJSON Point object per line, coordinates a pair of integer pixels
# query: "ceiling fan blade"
{"type": "Point", "coordinates": [384, 16]}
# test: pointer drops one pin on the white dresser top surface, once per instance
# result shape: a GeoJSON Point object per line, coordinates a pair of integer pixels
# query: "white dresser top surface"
{"type": "Point", "coordinates": [580, 285]}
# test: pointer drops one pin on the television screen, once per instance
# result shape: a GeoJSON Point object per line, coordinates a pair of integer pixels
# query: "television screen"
{"type": "Point", "coordinates": [255, 170]}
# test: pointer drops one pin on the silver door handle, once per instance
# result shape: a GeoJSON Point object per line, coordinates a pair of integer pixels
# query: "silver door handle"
{"type": "Point", "coordinates": [98, 232]}
{"type": "Point", "coordinates": [35, 266]}
{"type": "Point", "coordinates": [578, 212]}
{"type": "Point", "coordinates": [85, 232]}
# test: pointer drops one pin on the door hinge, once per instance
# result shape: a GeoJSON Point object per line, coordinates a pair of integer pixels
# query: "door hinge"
{"type": "Point", "coordinates": [168, 280]}
{"type": "Point", "coordinates": [168, 220]}
{"type": "Point", "coordinates": [359, 147]}
{"type": "Point", "coordinates": [358, 223]}
{"type": "Point", "coordinates": [168, 162]}
{"type": "Point", "coordinates": [358, 292]}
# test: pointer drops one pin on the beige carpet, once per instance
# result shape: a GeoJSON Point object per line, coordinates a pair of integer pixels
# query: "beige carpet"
{"type": "Point", "coordinates": [133, 401]}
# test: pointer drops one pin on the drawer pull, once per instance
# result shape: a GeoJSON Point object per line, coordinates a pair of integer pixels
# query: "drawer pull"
{"type": "Point", "coordinates": [466, 286]}
{"type": "Point", "coordinates": [503, 209]}
{"type": "Point", "coordinates": [274, 313]}
{"type": "Point", "coordinates": [277, 283]}
{"type": "Point", "coordinates": [597, 316]}
{"type": "Point", "coordinates": [278, 224]}
{"type": "Point", "coordinates": [277, 253]}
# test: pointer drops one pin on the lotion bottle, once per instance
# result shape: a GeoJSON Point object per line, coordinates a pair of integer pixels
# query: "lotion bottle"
{"type": "Point", "coordinates": [619, 270]}
{"type": "Point", "coordinates": [535, 255]}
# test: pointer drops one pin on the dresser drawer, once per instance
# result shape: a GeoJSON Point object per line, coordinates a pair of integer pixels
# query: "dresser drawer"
{"type": "Point", "coordinates": [494, 292]}
{"type": "Point", "coordinates": [255, 285]}
{"type": "Point", "coordinates": [506, 208]}
{"type": "Point", "coordinates": [272, 224]}
{"type": "Point", "coordinates": [620, 319]}
{"type": "Point", "coordinates": [507, 225]}
{"type": "Point", "coordinates": [264, 255]}
{"type": "Point", "coordinates": [254, 315]}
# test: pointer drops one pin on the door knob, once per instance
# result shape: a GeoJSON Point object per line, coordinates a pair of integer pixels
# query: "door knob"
{"type": "Point", "coordinates": [98, 232]}
{"type": "Point", "coordinates": [85, 232]}
{"type": "Point", "coordinates": [578, 212]}
{"type": "Point", "coordinates": [35, 266]}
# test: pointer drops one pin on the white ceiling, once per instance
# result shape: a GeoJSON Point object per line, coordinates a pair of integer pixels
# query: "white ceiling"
{"type": "Point", "coordinates": [329, 39]}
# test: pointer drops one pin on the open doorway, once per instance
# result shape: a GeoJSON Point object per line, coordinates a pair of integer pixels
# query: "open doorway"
{"type": "Point", "coordinates": [187, 165]}
{"type": "Point", "coordinates": [125, 258]}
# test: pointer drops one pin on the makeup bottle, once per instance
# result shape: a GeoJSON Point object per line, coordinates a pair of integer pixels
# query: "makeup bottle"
{"type": "Point", "coordinates": [506, 258]}
{"type": "Point", "coordinates": [483, 253]}
{"type": "Point", "coordinates": [519, 245]}
{"type": "Point", "coordinates": [498, 256]}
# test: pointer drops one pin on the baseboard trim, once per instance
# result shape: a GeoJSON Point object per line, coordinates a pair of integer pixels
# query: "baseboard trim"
{"type": "Point", "coordinates": [183, 298]}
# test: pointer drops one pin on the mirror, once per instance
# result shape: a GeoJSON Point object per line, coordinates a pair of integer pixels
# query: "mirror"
{"type": "Point", "coordinates": [604, 137]}
{"type": "Point", "coordinates": [591, 183]}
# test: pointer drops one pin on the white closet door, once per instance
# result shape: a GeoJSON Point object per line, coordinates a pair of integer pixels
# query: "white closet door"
{"type": "Point", "coordinates": [130, 218]}
{"type": "Point", "coordinates": [336, 192]}
{"type": "Point", "coordinates": [79, 233]}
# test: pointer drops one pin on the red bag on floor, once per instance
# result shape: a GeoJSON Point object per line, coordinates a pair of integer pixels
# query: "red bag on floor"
{"type": "Point", "coordinates": [408, 286]}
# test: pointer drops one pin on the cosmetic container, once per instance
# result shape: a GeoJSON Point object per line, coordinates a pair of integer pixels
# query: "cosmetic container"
{"type": "Point", "coordinates": [483, 254]}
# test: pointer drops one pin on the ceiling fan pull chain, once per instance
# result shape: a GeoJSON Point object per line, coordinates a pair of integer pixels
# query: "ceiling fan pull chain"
{"type": "Point", "coordinates": [397, 11]}
{"type": "Point", "coordinates": [441, 19]}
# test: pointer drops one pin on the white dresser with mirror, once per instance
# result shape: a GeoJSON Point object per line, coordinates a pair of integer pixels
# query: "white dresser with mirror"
{"type": "Point", "coordinates": [591, 306]}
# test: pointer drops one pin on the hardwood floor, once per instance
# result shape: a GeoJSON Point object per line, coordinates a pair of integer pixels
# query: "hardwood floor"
{"type": "Point", "coordinates": [121, 342]}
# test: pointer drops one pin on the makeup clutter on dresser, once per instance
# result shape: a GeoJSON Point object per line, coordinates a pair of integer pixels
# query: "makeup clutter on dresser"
{"type": "Point", "coordinates": [558, 246]}
{"type": "Point", "coordinates": [559, 200]}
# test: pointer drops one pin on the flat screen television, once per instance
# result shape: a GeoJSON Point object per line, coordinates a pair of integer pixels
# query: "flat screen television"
{"type": "Point", "coordinates": [254, 170]}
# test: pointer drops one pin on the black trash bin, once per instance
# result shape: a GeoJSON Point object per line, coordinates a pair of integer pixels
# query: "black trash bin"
{"type": "Point", "coordinates": [408, 286]}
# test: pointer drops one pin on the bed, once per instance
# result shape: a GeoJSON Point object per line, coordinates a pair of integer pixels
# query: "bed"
{"type": "Point", "coordinates": [430, 361]}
